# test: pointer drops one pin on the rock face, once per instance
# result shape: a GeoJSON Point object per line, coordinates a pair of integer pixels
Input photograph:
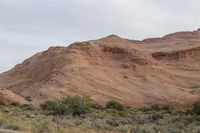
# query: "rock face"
{"type": "Point", "coordinates": [7, 97]}
{"type": "Point", "coordinates": [138, 73]}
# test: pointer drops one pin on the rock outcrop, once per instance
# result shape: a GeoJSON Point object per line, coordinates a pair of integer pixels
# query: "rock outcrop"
{"type": "Point", "coordinates": [138, 73]}
{"type": "Point", "coordinates": [7, 97]}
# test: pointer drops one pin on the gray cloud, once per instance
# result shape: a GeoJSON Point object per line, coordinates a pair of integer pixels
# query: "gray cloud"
{"type": "Point", "coordinates": [29, 26]}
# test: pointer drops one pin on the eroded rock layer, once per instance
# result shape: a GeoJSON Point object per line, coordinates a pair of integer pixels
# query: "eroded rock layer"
{"type": "Point", "coordinates": [138, 73]}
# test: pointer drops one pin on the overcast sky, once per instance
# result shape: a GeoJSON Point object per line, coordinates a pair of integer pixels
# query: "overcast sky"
{"type": "Point", "coordinates": [30, 26]}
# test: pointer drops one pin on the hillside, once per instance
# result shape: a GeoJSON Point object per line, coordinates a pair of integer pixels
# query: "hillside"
{"type": "Point", "coordinates": [162, 70]}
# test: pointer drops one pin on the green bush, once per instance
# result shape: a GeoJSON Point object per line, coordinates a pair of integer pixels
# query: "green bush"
{"type": "Point", "coordinates": [61, 109]}
{"type": "Point", "coordinates": [69, 105]}
{"type": "Point", "coordinates": [196, 108]}
{"type": "Point", "coordinates": [77, 105]}
{"type": "Point", "coordinates": [49, 105]}
{"type": "Point", "coordinates": [114, 105]}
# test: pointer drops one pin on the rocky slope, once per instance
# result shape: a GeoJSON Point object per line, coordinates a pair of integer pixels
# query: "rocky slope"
{"type": "Point", "coordinates": [138, 73]}
{"type": "Point", "coordinates": [7, 97]}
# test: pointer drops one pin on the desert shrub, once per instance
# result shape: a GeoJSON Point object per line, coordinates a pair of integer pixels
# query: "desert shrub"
{"type": "Point", "coordinates": [26, 107]}
{"type": "Point", "coordinates": [167, 107]}
{"type": "Point", "coordinates": [66, 122]}
{"type": "Point", "coordinates": [101, 124]}
{"type": "Point", "coordinates": [28, 98]}
{"type": "Point", "coordinates": [157, 116]}
{"type": "Point", "coordinates": [61, 109]}
{"type": "Point", "coordinates": [14, 104]}
{"type": "Point", "coordinates": [77, 105]}
{"type": "Point", "coordinates": [196, 108]}
{"type": "Point", "coordinates": [145, 128]}
{"type": "Point", "coordinates": [49, 105]}
{"type": "Point", "coordinates": [114, 105]}
{"type": "Point", "coordinates": [96, 106]}
{"type": "Point", "coordinates": [112, 122]}
{"type": "Point", "coordinates": [155, 107]}
{"type": "Point", "coordinates": [6, 122]}
{"type": "Point", "coordinates": [114, 113]}
{"type": "Point", "coordinates": [69, 105]}
{"type": "Point", "coordinates": [192, 118]}
{"type": "Point", "coordinates": [12, 126]}
{"type": "Point", "coordinates": [42, 126]}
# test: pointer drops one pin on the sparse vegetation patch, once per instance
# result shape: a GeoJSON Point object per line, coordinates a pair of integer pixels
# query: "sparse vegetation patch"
{"type": "Point", "coordinates": [79, 115]}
